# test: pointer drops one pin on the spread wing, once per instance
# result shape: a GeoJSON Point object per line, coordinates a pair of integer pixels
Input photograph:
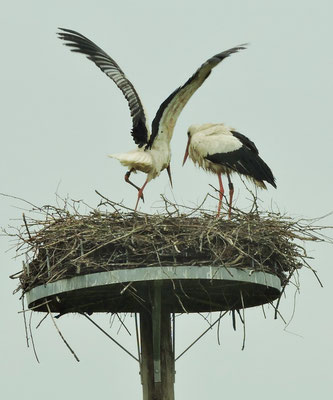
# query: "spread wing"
{"type": "Point", "coordinates": [166, 116]}
{"type": "Point", "coordinates": [81, 44]}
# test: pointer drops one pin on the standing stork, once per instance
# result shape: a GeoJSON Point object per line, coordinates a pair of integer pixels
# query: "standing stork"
{"type": "Point", "coordinates": [153, 152]}
{"type": "Point", "coordinates": [220, 149]}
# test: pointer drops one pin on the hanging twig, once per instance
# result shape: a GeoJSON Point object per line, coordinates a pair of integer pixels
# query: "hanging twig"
{"type": "Point", "coordinates": [293, 312]}
{"type": "Point", "coordinates": [25, 322]}
{"type": "Point", "coordinates": [32, 338]}
{"type": "Point", "coordinates": [61, 335]}
{"type": "Point", "coordinates": [233, 319]}
{"type": "Point", "coordinates": [42, 320]}
{"type": "Point", "coordinates": [277, 312]}
{"type": "Point", "coordinates": [218, 331]}
{"type": "Point", "coordinates": [282, 292]}
{"type": "Point", "coordinates": [243, 320]}
{"type": "Point", "coordinates": [122, 324]}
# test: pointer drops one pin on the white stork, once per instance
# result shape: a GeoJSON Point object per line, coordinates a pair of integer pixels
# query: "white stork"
{"type": "Point", "coordinates": [220, 149]}
{"type": "Point", "coordinates": [153, 152]}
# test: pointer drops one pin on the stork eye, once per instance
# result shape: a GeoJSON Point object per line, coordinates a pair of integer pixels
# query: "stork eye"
{"type": "Point", "coordinates": [188, 133]}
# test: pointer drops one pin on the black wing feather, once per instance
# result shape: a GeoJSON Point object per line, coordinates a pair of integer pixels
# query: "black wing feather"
{"type": "Point", "coordinates": [170, 109]}
{"type": "Point", "coordinates": [81, 44]}
{"type": "Point", "coordinates": [245, 161]}
{"type": "Point", "coordinates": [246, 141]}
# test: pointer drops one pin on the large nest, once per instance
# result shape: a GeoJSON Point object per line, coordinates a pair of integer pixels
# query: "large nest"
{"type": "Point", "coordinates": [65, 243]}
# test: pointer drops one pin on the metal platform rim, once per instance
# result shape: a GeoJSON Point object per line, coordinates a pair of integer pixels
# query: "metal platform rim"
{"type": "Point", "coordinates": [122, 276]}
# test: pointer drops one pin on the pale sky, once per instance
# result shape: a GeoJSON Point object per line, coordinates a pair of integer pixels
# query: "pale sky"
{"type": "Point", "coordinates": [60, 117]}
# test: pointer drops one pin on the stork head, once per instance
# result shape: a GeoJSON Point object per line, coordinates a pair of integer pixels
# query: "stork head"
{"type": "Point", "coordinates": [190, 132]}
{"type": "Point", "coordinates": [194, 129]}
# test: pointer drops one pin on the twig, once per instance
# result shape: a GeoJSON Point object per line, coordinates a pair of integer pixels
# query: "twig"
{"type": "Point", "coordinates": [23, 200]}
{"type": "Point", "coordinates": [277, 312]}
{"type": "Point", "coordinates": [282, 291]}
{"type": "Point", "coordinates": [233, 319]}
{"type": "Point", "coordinates": [243, 320]}
{"type": "Point", "coordinates": [122, 324]}
{"type": "Point", "coordinates": [112, 203]}
{"type": "Point", "coordinates": [61, 335]}
{"type": "Point", "coordinates": [42, 320]}
{"type": "Point", "coordinates": [25, 322]}
{"type": "Point", "coordinates": [218, 331]}
{"type": "Point", "coordinates": [32, 338]}
{"type": "Point", "coordinates": [26, 226]}
{"type": "Point", "coordinates": [293, 312]}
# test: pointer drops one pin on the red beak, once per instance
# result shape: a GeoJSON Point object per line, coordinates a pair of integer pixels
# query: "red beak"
{"type": "Point", "coordinates": [186, 151]}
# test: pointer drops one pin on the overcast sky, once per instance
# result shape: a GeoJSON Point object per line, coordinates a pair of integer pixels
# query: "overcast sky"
{"type": "Point", "coordinates": [60, 117]}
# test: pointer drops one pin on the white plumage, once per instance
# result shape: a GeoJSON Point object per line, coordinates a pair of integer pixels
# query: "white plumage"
{"type": "Point", "coordinates": [210, 139]}
{"type": "Point", "coordinates": [151, 162]}
{"type": "Point", "coordinates": [220, 149]}
{"type": "Point", "coordinates": [153, 153]}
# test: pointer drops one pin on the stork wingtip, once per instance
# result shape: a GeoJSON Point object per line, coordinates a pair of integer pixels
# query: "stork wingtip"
{"type": "Point", "coordinates": [242, 46]}
{"type": "Point", "coordinates": [62, 30]}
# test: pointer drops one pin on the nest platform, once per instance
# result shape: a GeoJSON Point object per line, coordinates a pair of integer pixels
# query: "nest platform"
{"type": "Point", "coordinates": [187, 289]}
{"type": "Point", "coordinates": [111, 261]}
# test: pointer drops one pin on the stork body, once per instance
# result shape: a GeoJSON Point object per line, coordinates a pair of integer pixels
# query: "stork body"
{"type": "Point", "coordinates": [153, 153]}
{"type": "Point", "coordinates": [150, 161]}
{"type": "Point", "coordinates": [220, 149]}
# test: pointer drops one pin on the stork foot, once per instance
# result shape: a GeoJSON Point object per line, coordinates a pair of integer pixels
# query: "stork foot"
{"type": "Point", "coordinates": [140, 195]}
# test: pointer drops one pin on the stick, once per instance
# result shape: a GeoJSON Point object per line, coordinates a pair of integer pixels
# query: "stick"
{"type": "Point", "coordinates": [25, 322]}
{"type": "Point", "coordinates": [243, 346]}
{"type": "Point", "coordinates": [62, 337]}
{"type": "Point", "coordinates": [32, 339]}
{"type": "Point", "coordinates": [26, 226]}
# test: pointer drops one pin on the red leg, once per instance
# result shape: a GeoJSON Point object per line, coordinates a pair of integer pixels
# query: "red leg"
{"type": "Point", "coordinates": [140, 194]}
{"type": "Point", "coordinates": [127, 175]}
{"type": "Point", "coordinates": [231, 194]}
{"type": "Point", "coordinates": [221, 195]}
